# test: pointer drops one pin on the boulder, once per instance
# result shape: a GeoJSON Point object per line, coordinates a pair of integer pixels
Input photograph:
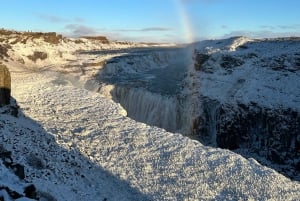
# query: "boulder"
{"type": "Point", "coordinates": [5, 85]}
{"type": "Point", "coordinates": [200, 59]}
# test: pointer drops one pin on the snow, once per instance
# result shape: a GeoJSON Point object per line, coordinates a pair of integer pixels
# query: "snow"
{"type": "Point", "coordinates": [76, 144]}
{"type": "Point", "coordinates": [89, 151]}
{"type": "Point", "coordinates": [7, 178]}
{"type": "Point", "coordinates": [255, 80]}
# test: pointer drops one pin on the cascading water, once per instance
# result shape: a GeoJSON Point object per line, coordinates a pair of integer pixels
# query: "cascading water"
{"type": "Point", "coordinates": [153, 109]}
{"type": "Point", "coordinates": [148, 85]}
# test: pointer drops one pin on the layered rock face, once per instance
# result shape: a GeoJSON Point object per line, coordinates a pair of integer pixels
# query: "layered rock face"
{"type": "Point", "coordinates": [5, 85]}
{"type": "Point", "coordinates": [247, 94]}
{"type": "Point", "coordinates": [270, 133]}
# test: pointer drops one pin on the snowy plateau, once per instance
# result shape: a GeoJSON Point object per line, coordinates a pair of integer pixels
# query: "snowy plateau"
{"type": "Point", "coordinates": [92, 119]}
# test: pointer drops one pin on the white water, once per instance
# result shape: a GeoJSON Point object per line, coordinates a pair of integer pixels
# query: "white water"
{"type": "Point", "coordinates": [150, 108]}
{"type": "Point", "coordinates": [212, 112]}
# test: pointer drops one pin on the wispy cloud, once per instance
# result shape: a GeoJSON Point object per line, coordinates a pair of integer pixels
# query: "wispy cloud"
{"type": "Point", "coordinates": [261, 34]}
{"type": "Point", "coordinates": [79, 19]}
{"type": "Point", "coordinates": [156, 29]}
{"type": "Point", "coordinates": [165, 38]}
{"type": "Point", "coordinates": [198, 1]}
{"type": "Point", "coordinates": [51, 18]}
{"type": "Point", "coordinates": [148, 29]}
{"type": "Point", "coordinates": [147, 34]}
{"type": "Point", "coordinates": [283, 27]}
{"type": "Point", "coordinates": [224, 27]}
{"type": "Point", "coordinates": [76, 30]}
{"type": "Point", "coordinates": [267, 27]}
{"type": "Point", "coordinates": [58, 19]}
{"type": "Point", "coordinates": [291, 27]}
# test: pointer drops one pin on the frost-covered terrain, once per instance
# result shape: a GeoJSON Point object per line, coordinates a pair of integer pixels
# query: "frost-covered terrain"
{"type": "Point", "coordinates": [76, 144]}
{"type": "Point", "coordinates": [247, 97]}
{"type": "Point", "coordinates": [262, 71]}
{"type": "Point", "coordinates": [238, 93]}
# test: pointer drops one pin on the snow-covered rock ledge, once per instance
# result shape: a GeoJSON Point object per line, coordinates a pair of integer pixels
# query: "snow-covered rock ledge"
{"type": "Point", "coordinates": [247, 98]}
{"type": "Point", "coordinates": [76, 145]}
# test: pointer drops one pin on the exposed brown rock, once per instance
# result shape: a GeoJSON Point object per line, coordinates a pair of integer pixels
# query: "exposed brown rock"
{"type": "Point", "coordinates": [38, 55]}
{"type": "Point", "coordinates": [5, 85]}
{"type": "Point", "coordinates": [3, 51]}
{"type": "Point", "coordinates": [102, 39]}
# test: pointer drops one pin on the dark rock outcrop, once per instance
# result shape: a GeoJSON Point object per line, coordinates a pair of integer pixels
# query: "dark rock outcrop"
{"type": "Point", "coordinates": [5, 86]}
{"type": "Point", "coordinates": [229, 62]}
{"type": "Point", "coordinates": [6, 157]}
{"type": "Point", "coordinates": [4, 51]}
{"type": "Point", "coordinates": [38, 55]}
{"type": "Point", "coordinates": [200, 59]}
{"type": "Point", "coordinates": [18, 170]}
{"type": "Point", "coordinates": [30, 192]}
{"type": "Point", "coordinates": [101, 39]}
{"type": "Point", "coordinates": [270, 133]}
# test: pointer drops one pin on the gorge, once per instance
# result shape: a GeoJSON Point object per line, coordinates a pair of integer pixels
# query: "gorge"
{"type": "Point", "coordinates": [227, 94]}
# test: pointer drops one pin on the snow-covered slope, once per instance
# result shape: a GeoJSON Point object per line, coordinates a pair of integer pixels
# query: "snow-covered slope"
{"type": "Point", "coordinates": [246, 95]}
{"type": "Point", "coordinates": [76, 145]}
{"type": "Point", "coordinates": [263, 71]}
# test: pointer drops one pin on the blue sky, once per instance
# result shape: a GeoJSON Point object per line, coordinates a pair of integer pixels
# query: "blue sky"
{"type": "Point", "coordinates": [155, 20]}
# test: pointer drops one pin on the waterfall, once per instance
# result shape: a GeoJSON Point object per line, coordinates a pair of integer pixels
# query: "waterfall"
{"type": "Point", "coordinates": [148, 85]}
{"type": "Point", "coordinates": [150, 108]}
{"type": "Point", "coordinates": [213, 111]}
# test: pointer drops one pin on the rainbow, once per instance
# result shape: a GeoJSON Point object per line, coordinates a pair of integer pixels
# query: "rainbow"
{"type": "Point", "coordinates": [185, 22]}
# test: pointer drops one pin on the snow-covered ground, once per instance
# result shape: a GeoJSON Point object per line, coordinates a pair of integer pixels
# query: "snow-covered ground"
{"type": "Point", "coordinates": [245, 70]}
{"type": "Point", "coordinates": [246, 94]}
{"type": "Point", "coordinates": [76, 144]}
